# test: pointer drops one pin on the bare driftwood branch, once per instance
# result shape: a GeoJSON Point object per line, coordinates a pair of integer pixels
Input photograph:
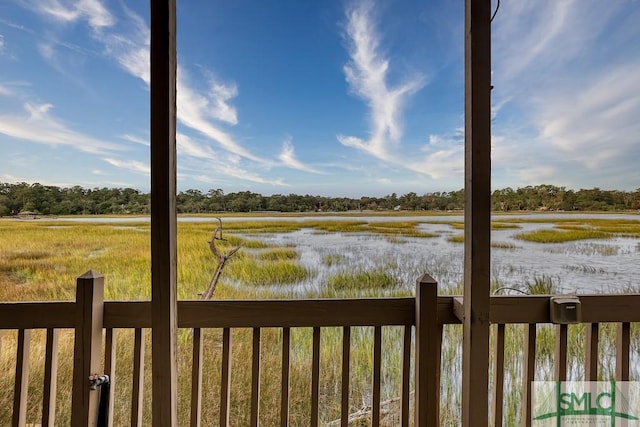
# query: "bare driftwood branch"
{"type": "Point", "coordinates": [365, 413]}
{"type": "Point", "coordinates": [220, 257]}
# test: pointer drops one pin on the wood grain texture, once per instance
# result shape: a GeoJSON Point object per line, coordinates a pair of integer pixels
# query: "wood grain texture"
{"type": "Point", "coordinates": [623, 344]}
{"type": "Point", "coordinates": [285, 377]}
{"type": "Point", "coordinates": [196, 378]}
{"type": "Point", "coordinates": [346, 375]}
{"type": "Point", "coordinates": [560, 368]}
{"type": "Point", "coordinates": [477, 213]}
{"type": "Point", "coordinates": [137, 389]}
{"type": "Point", "coordinates": [87, 353]}
{"type": "Point", "coordinates": [163, 211]}
{"type": "Point", "coordinates": [49, 385]}
{"type": "Point", "coordinates": [225, 378]}
{"type": "Point", "coordinates": [21, 378]}
{"type": "Point", "coordinates": [498, 375]}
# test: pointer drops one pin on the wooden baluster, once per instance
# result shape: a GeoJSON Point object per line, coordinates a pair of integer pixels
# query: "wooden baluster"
{"type": "Point", "coordinates": [406, 376]}
{"type": "Point", "coordinates": [138, 378]}
{"type": "Point", "coordinates": [591, 353]}
{"type": "Point", "coordinates": [623, 342]}
{"type": "Point", "coordinates": [110, 367]}
{"type": "Point", "coordinates": [225, 379]}
{"type": "Point", "coordinates": [255, 379]}
{"type": "Point", "coordinates": [529, 372]}
{"type": "Point", "coordinates": [346, 374]}
{"type": "Point", "coordinates": [50, 378]}
{"type": "Point", "coordinates": [498, 375]}
{"type": "Point", "coordinates": [560, 373]}
{"type": "Point", "coordinates": [315, 377]}
{"type": "Point", "coordinates": [196, 378]}
{"type": "Point", "coordinates": [22, 378]}
{"type": "Point", "coordinates": [377, 356]}
{"type": "Point", "coordinates": [284, 388]}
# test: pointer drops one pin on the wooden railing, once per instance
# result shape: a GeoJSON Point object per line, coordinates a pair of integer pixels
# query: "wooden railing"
{"type": "Point", "coordinates": [422, 320]}
{"type": "Point", "coordinates": [91, 318]}
{"type": "Point", "coordinates": [529, 312]}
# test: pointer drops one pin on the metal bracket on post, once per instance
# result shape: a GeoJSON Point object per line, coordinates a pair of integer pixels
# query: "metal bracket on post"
{"type": "Point", "coordinates": [102, 383]}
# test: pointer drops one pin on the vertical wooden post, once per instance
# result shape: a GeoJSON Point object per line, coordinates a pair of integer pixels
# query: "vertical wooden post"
{"type": "Point", "coordinates": [427, 396]}
{"type": "Point", "coordinates": [163, 211]}
{"type": "Point", "coordinates": [477, 237]}
{"type": "Point", "coordinates": [22, 378]}
{"type": "Point", "coordinates": [87, 350]}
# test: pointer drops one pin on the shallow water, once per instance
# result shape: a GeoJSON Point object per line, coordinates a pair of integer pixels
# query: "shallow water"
{"type": "Point", "coordinates": [586, 266]}
{"type": "Point", "coordinates": [602, 265]}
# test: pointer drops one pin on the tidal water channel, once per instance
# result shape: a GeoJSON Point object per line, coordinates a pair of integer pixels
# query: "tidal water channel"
{"type": "Point", "coordinates": [584, 266]}
{"type": "Point", "coordinates": [599, 265]}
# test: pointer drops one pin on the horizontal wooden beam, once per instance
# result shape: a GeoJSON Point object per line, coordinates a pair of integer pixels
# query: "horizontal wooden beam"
{"type": "Point", "coordinates": [34, 315]}
{"type": "Point", "coordinates": [269, 313]}
{"type": "Point", "coordinates": [302, 313]}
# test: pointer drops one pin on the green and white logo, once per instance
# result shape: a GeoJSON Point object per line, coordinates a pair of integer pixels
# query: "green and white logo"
{"type": "Point", "coordinates": [585, 403]}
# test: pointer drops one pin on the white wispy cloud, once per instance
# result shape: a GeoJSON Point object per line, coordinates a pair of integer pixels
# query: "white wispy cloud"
{"type": "Point", "coordinates": [130, 165]}
{"type": "Point", "coordinates": [135, 139]}
{"type": "Point", "coordinates": [200, 110]}
{"type": "Point", "coordinates": [444, 157]}
{"type": "Point", "coordinates": [129, 45]}
{"type": "Point", "coordinates": [575, 91]}
{"type": "Point", "coordinates": [288, 157]}
{"type": "Point", "coordinates": [1, 43]}
{"type": "Point", "coordinates": [5, 91]}
{"type": "Point", "coordinates": [93, 11]}
{"type": "Point", "coordinates": [39, 125]}
{"type": "Point", "coordinates": [366, 73]}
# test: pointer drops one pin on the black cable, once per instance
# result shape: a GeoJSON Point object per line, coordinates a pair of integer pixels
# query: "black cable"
{"type": "Point", "coordinates": [495, 12]}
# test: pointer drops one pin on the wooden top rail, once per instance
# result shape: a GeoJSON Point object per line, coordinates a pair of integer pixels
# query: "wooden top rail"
{"type": "Point", "coordinates": [318, 312]}
{"type": "Point", "coordinates": [535, 308]}
{"type": "Point", "coordinates": [269, 313]}
{"type": "Point", "coordinates": [33, 315]}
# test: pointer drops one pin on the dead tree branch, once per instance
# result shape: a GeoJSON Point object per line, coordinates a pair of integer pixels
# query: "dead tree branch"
{"type": "Point", "coordinates": [220, 257]}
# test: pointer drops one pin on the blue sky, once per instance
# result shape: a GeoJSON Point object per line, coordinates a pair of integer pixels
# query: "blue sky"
{"type": "Point", "coordinates": [335, 98]}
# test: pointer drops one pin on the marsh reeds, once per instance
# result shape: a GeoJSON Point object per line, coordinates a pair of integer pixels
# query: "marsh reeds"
{"type": "Point", "coordinates": [41, 260]}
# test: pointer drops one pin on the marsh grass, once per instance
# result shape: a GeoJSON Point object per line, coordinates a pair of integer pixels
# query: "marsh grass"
{"type": "Point", "coordinates": [41, 260]}
{"type": "Point", "coordinates": [559, 236]}
{"type": "Point", "coordinates": [365, 279]}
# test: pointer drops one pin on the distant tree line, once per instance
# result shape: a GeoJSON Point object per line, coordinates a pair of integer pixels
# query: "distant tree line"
{"type": "Point", "coordinates": [51, 200]}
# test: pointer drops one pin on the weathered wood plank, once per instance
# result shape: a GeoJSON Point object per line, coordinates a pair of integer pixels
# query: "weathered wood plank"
{"type": "Point", "coordinates": [285, 380]}
{"type": "Point", "coordinates": [427, 395]}
{"type": "Point", "coordinates": [87, 352]}
{"type": "Point", "coordinates": [591, 352]}
{"type": "Point", "coordinates": [255, 379]}
{"type": "Point", "coordinates": [528, 372]}
{"type": "Point", "coordinates": [406, 376]}
{"type": "Point", "coordinates": [196, 378]}
{"type": "Point", "coordinates": [49, 385]}
{"type": "Point", "coordinates": [34, 315]}
{"type": "Point", "coordinates": [346, 374]}
{"type": "Point", "coordinates": [477, 214]}
{"type": "Point", "coordinates": [623, 344]}
{"type": "Point", "coordinates": [560, 368]}
{"type": "Point", "coordinates": [163, 211]}
{"type": "Point", "coordinates": [498, 375]}
{"type": "Point", "coordinates": [110, 367]}
{"type": "Point", "coordinates": [296, 313]}
{"type": "Point", "coordinates": [137, 390]}
{"type": "Point", "coordinates": [225, 378]}
{"type": "Point", "coordinates": [377, 368]}
{"type": "Point", "coordinates": [315, 378]}
{"type": "Point", "coordinates": [21, 378]}
{"type": "Point", "coordinates": [370, 312]}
